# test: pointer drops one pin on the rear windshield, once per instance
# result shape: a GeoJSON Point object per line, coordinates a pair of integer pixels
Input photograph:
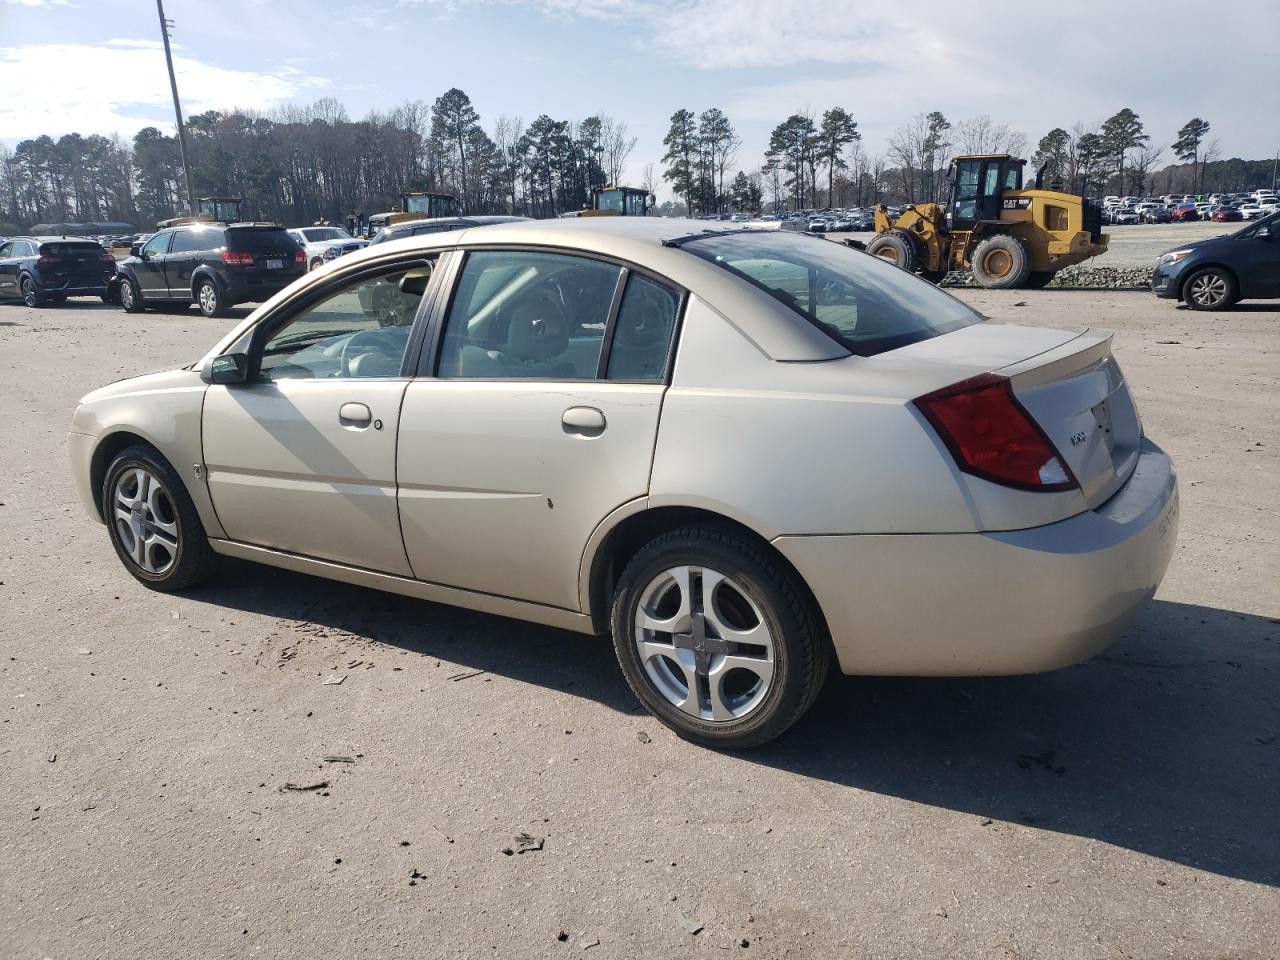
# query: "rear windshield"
{"type": "Point", "coordinates": [71, 250]}
{"type": "Point", "coordinates": [862, 302]}
{"type": "Point", "coordinates": [260, 241]}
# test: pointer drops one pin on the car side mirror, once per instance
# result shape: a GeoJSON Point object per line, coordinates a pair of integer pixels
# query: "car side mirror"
{"type": "Point", "coordinates": [227, 369]}
{"type": "Point", "coordinates": [135, 250]}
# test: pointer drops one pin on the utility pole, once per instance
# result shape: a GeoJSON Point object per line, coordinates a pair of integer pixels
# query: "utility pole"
{"type": "Point", "coordinates": [165, 26]}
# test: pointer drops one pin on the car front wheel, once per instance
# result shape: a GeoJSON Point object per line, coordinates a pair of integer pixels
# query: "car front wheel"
{"type": "Point", "coordinates": [1210, 289]}
{"type": "Point", "coordinates": [152, 522]}
{"type": "Point", "coordinates": [130, 299]}
{"type": "Point", "coordinates": [716, 639]}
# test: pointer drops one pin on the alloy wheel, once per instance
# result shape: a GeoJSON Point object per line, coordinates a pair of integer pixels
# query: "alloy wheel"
{"type": "Point", "coordinates": [1208, 290]}
{"type": "Point", "coordinates": [146, 520]}
{"type": "Point", "coordinates": [126, 295]}
{"type": "Point", "coordinates": [704, 644]}
{"type": "Point", "coordinates": [28, 293]}
{"type": "Point", "coordinates": [208, 299]}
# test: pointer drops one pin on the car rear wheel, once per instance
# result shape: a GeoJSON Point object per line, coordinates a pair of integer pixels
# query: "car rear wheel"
{"type": "Point", "coordinates": [1210, 289]}
{"type": "Point", "coordinates": [152, 522]}
{"type": "Point", "coordinates": [209, 297]}
{"type": "Point", "coordinates": [31, 294]}
{"type": "Point", "coordinates": [130, 298]}
{"type": "Point", "coordinates": [716, 639]}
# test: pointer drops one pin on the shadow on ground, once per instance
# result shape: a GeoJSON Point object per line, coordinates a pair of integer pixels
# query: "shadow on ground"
{"type": "Point", "coordinates": [1168, 744]}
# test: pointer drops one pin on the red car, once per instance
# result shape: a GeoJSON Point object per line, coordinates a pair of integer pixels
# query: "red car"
{"type": "Point", "coordinates": [1185, 211]}
{"type": "Point", "coordinates": [1227, 214]}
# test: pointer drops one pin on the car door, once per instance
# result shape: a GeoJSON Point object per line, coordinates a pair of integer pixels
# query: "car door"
{"type": "Point", "coordinates": [301, 456]}
{"type": "Point", "coordinates": [181, 260]}
{"type": "Point", "coordinates": [148, 268]}
{"type": "Point", "coordinates": [535, 418]}
{"type": "Point", "coordinates": [9, 269]}
{"type": "Point", "coordinates": [1260, 261]}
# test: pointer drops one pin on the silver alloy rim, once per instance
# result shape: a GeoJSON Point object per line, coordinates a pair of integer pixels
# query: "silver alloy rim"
{"type": "Point", "coordinates": [704, 644]}
{"type": "Point", "coordinates": [28, 293]}
{"type": "Point", "coordinates": [1208, 290]}
{"type": "Point", "coordinates": [208, 298]}
{"type": "Point", "coordinates": [146, 521]}
{"type": "Point", "coordinates": [126, 295]}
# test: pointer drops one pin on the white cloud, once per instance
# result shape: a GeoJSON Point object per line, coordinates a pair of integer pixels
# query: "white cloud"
{"type": "Point", "coordinates": [122, 86]}
{"type": "Point", "coordinates": [40, 3]}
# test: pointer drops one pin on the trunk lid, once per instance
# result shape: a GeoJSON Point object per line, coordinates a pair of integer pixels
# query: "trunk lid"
{"type": "Point", "coordinates": [1078, 395]}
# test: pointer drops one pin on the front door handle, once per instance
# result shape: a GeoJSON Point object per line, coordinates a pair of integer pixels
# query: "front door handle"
{"type": "Point", "coordinates": [584, 421]}
{"type": "Point", "coordinates": [354, 415]}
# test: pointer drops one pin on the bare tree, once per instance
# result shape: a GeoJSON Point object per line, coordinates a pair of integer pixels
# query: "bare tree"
{"type": "Point", "coordinates": [617, 147]}
{"type": "Point", "coordinates": [649, 178]}
{"type": "Point", "coordinates": [983, 135]}
{"type": "Point", "coordinates": [1142, 164]}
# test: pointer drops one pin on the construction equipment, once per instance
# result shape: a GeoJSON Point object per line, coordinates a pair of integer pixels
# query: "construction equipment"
{"type": "Point", "coordinates": [415, 205]}
{"type": "Point", "coordinates": [615, 201]}
{"type": "Point", "coordinates": [210, 210]}
{"type": "Point", "coordinates": [1009, 237]}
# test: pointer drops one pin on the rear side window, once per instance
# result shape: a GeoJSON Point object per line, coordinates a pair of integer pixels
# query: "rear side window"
{"type": "Point", "coordinates": [261, 241]}
{"type": "Point", "coordinates": [187, 240]}
{"type": "Point", "coordinates": [643, 332]}
{"type": "Point", "coordinates": [518, 315]}
{"type": "Point", "coordinates": [862, 302]}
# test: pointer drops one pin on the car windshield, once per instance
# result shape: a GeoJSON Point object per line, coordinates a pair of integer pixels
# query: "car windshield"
{"type": "Point", "coordinates": [863, 302]}
{"type": "Point", "coordinates": [319, 234]}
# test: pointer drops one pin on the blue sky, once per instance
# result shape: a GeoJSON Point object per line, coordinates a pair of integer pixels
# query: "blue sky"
{"type": "Point", "coordinates": [639, 60]}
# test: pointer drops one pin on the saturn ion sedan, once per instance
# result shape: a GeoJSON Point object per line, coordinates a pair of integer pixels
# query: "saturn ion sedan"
{"type": "Point", "coordinates": [743, 453]}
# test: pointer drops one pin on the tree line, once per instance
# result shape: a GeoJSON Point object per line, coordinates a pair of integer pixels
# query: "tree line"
{"type": "Point", "coordinates": [299, 164]}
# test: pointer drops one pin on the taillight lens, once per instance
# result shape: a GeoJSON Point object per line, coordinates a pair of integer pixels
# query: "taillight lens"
{"type": "Point", "coordinates": [299, 256]}
{"type": "Point", "coordinates": [47, 260]}
{"type": "Point", "coordinates": [235, 258]}
{"type": "Point", "coordinates": [991, 436]}
{"type": "Point", "coordinates": [107, 258]}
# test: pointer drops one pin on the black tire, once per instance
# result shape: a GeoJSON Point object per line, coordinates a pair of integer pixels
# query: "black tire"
{"type": "Point", "coordinates": [1039, 279]}
{"type": "Point", "coordinates": [895, 248]}
{"type": "Point", "coordinates": [1001, 263]}
{"type": "Point", "coordinates": [1210, 289]}
{"type": "Point", "coordinates": [315, 264]}
{"type": "Point", "coordinates": [210, 298]}
{"type": "Point", "coordinates": [130, 296]}
{"type": "Point", "coordinates": [801, 650]}
{"type": "Point", "coordinates": [190, 557]}
{"type": "Point", "coordinates": [31, 294]}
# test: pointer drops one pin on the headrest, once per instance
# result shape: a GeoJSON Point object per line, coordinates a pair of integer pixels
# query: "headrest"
{"type": "Point", "coordinates": [538, 330]}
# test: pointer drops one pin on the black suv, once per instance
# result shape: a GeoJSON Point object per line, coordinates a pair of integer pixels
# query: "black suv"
{"type": "Point", "coordinates": [211, 264]}
{"type": "Point", "coordinates": [38, 270]}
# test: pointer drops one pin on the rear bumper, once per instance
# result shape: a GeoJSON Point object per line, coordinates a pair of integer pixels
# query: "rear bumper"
{"type": "Point", "coordinates": [258, 287]}
{"type": "Point", "coordinates": [996, 603]}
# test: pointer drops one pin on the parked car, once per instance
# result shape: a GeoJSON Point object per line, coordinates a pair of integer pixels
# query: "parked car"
{"type": "Point", "coordinates": [1157, 215]}
{"type": "Point", "coordinates": [1124, 215]}
{"type": "Point", "coordinates": [40, 270]}
{"type": "Point", "coordinates": [418, 228]}
{"type": "Point", "coordinates": [584, 440]}
{"type": "Point", "coordinates": [1251, 210]}
{"type": "Point", "coordinates": [211, 265]}
{"type": "Point", "coordinates": [1215, 273]}
{"type": "Point", "coordinates": [1185, 212]}
{"type": "Point", "coordinates": [323, 244]}
{"type": "Point", "coordinates": [1224, 214]}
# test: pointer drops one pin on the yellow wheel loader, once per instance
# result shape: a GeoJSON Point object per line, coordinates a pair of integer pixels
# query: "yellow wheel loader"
{"type": "Point", "coordinates": [210, 210]}
{"type": "Point", "coordinates": [418, 205]}
{"type": "Point", "coordinates": [616, 202]}
{"type": "Point", "coordinates": [1009, 237]}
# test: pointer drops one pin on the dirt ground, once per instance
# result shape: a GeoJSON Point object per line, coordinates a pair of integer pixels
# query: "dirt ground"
{"type": "Point", "coordinates": [1126, 807]}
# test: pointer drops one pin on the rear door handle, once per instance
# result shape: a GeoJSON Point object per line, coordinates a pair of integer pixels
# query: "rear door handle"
{"type": "Point", "coordinates": [354, 415]}
{"type": "Point", "coordinates": [585, 421]}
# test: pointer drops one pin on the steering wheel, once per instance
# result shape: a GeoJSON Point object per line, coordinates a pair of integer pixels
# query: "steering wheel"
{"type": "Point", "coordinates": [386, 340]}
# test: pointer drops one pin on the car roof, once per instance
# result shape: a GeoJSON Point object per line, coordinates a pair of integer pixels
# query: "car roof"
{"type": "Point", "coordinates": [53, 238]}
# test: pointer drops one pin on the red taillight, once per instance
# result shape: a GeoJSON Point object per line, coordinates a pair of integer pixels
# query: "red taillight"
{"type": "Point", "coordinates": [234, 258]}
{"type": "Point", "coordinates": [47, 260]}
{"type": "Point", "coordinates": [299, 256]}
{"type": "Point", "coordinates": [107, 259]}
{"type": "Point", "coordinates": [992, 436]}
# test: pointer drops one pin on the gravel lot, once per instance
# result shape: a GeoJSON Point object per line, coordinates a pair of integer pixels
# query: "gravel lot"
{"type": "Point", "coordinates": [1123, 808]}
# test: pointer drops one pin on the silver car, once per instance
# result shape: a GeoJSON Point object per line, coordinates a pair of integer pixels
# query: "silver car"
{"type": "Point", "coordinates": [744, 454]}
